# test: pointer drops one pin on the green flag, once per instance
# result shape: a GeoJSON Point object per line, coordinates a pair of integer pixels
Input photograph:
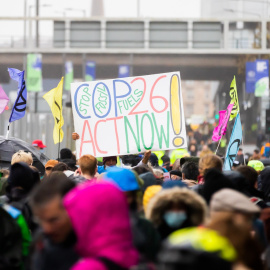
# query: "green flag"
{"type": "Point", "coordinates": [68, 74]}
{"type": "Point", "coordinates": [34, 72]}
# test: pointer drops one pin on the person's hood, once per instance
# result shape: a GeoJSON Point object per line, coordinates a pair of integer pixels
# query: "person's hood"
{"type": "Point", "coordinates": [195, 205]}
{"type": "Point", "coordinates": [125, 179]}
{"type": "Point", "coordinates": [21, 175]}
{"type": "Point", "coordinates": [100, 218]}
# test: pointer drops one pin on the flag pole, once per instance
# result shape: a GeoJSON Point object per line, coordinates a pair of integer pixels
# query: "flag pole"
{"type": "Point", "coordinates": [7, 131]}
{"type": "Point", "coordinates": [218, 145]}
{"type": "Point", "coordinates": [242, 141]}
{"type": "Point", "coordinates": [59, 147]}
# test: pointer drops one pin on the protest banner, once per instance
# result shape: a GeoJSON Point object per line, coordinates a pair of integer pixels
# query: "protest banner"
{"type": "Point", "coordinates": [262, 78]}
{"type": "Point", "coordinates": [220, 130]}
{"type": "Point", "coordinates": [34, 72]}
{"type": "Point", "coordinates": [54, 100]}
{"type": "Point", "coordinates": [3, 100]}
{"type": "Point", "coordinates": [234, 144]}
{"type": "Point", "coordinates": [68, 75]}
{"type": "Point", "coordinates": [130, 115]}
{"type": "Point", "coordinates": [234, 99]}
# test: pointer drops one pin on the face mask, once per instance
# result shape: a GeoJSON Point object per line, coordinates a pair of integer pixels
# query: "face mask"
{"type": "Point", "coordinates": [175, 219]}
{"type": "Point", "coordinates": [42, 151]}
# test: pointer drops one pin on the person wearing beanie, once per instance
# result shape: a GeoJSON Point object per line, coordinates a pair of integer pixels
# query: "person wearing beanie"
{"type": "Point", "coordinates": [21, 181]}
{"type": "Point", "coordinates": [149, 193]}
{"type": "Point", "coordinates": [65, 153]}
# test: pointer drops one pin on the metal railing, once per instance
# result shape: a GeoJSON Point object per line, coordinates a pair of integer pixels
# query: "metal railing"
{"type": "Point", "coordinates": [122, 35]}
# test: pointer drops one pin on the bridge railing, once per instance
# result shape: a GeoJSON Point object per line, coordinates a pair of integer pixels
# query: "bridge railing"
{"type": "Point", "coordinates": [136, 35]}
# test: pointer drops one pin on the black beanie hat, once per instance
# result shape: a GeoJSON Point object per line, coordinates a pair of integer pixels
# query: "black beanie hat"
{"type": "Point", "coordinates": [21, 175]}
{"type": "Point", "coordinates": [65, 153]}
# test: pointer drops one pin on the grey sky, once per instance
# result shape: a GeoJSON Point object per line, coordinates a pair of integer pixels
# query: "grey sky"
{"type": "Point", "coordinates": [12, 30]}
{"type": "Point", "coordinates": [113, 8]}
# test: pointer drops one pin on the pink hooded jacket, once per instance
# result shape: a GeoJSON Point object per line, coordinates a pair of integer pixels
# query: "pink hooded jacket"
{"type": "Point", "coordinates": [100, 219]}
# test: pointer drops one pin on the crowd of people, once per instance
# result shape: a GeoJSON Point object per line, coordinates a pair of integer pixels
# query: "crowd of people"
{"type": "Point", "coordinates": [134, 212]}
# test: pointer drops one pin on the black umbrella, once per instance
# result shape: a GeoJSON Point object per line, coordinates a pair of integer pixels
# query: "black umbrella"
{"type": "Point", "coordinates": [10, 146]}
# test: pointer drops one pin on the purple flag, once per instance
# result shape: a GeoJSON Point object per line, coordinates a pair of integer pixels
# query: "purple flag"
{"type": "Point", "coordinates": [19, 107]}
{"type": "Point", "coordinates": [3, 100]}
{"type": "Point", "coordinates": [220, 130]}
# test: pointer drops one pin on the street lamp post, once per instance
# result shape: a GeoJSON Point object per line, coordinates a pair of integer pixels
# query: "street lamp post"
{"type": "Point", "coordinates": [37, 6]}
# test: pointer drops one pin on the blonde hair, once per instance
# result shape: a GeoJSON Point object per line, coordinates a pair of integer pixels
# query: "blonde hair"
{"type": "Point", "coordinates": [22, 156]}
{"type": "Point", "coordinates": [209, 162]}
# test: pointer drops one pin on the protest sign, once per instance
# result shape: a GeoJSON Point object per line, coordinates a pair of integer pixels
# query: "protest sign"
{"type": "Point", "coordinates": [130, 115]}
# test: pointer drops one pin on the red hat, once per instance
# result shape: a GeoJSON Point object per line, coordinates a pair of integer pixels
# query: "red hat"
{"type": "Point", "coordinates": [38, 143]}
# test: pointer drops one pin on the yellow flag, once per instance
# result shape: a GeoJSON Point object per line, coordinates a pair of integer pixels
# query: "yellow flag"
{"type": "Point", "coordinates": [234, 99]}
{"type": "Point", "coordinates": [54, 99]}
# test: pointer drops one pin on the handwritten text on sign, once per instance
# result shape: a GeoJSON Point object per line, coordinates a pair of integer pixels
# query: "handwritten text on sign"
{"type": "Point", "coordinates": [130, 115]}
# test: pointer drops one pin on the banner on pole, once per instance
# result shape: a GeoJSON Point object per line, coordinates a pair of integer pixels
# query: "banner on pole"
{"type": "Point", "coordinates": [123, 71]}
{"type": "Point", "coordinates": [3, 100]}
{"type": "Point", "coordinates": [250, 77]}
{"type": "Point", "coordinates": [262, 78]}
{"type": "Point", "coordinates": [54, 99]}
{"type": "Point", "coordinates": [131, 115]}
{"type": "Point", "coordinates": [34, 72]}
{"type": "Point", "coordinates": [234, 99]}
{"type": "Point", "coordinates": [19, 107]}
{"type": "Point", "coordinates": [90, 71]}
{"type": "Point", "coordinates": [234, 144]}
{"type": "Point", "coordinates": [68, 74]}
{"type": "Point", "coordinates": [220, 130]}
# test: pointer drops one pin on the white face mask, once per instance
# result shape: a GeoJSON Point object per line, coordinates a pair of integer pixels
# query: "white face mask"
{"type": "Point", "coordinates": [42, 151]}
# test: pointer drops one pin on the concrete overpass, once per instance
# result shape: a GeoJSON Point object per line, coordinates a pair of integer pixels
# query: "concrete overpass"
{"type": "Point", "coordinates": [205, 49]}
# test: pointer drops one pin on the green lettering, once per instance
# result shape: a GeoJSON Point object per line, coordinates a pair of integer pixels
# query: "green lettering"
{"type": "Point", "coordinates": [85, 90]}
{"type": "Point", "coordinates": [101, 88]}
{"type": "Point", "coordinates": [137, 139]}
{"type": "Point", "coordinates": [136, 100]}
{"type": "Point", "coordinates": [152, 131]}
{"type": "Point", "coordinates": [130, 101]}
{"type": "Point", "coordinates": [138, 93]}
{"type": "Point", "coordinates": [96, 106]}
{"type": "Point", "coordinates": [161, 134]}
{"type": "Point", "coordinates": [119, 106]}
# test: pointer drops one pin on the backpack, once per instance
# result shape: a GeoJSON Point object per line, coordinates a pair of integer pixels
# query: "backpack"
{"type": "Point", "coordinates": [11, 241]}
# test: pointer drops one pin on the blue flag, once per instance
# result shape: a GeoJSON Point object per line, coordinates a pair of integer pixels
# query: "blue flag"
{"type": "Point", "coordinates": [262, 78]}
{"type": "Point", "coordinates": [250, 77]}
{"type": "Point", "coordinates": [123, 71]}
{"type": "Point", "coordinates": [19, 107]}
{"type": "Point", "coordinates": [234, 144]}
{"type": "Point", "coordinates": [90, 71]}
